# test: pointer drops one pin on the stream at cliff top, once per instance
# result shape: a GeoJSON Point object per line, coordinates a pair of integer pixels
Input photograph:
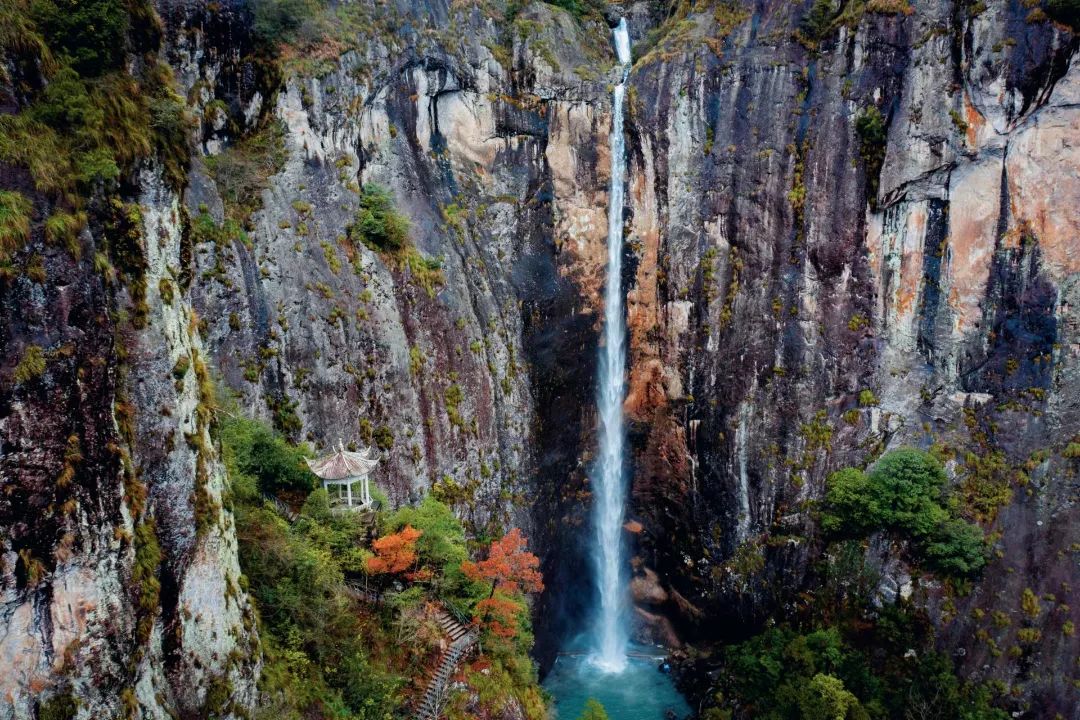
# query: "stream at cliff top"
{"type": "Point", "coordinates": [627, 684]}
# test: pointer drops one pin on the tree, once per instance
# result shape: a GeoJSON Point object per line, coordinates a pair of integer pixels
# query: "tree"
{"type": "Point", "coordinates": [378, 224]}
{"type": "Point", "coordinates": [256, 450]}
{"type": "Point", "coordinates": [593, 710]}
{"type": "Point", "coordinates": [904, 493]}
{"type": "Point", "coordinates": [826, 698]}
{"type": "Point", "coordinates": [394, 553]}
{"type": "Point", "coordinates": [509, 566]}
{"type": "Point", "coordinates": [500, 613]}
{"type": "Point", "coordinates": [850, 506]}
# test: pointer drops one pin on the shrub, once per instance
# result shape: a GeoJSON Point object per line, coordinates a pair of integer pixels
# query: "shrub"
{"type": "Point", "coordinates": [826, 698]}
{"type": "Point", "coordinates": [955, 548]}
{"type": "Point", "coordinates": [818, 20]}
{"type": "Point", "coordinates": [31, 366]}
{"type": "Point", "coordinates": [851, 507]}
{"type": "Point", "coordinates": [378, 225]}
{"type": "Point", "coordinates": [593, 710]}
{"type": "Point", "coordinates": [873, 132]}
{"type": "Point", "coordinates": [266, 456]}
{"type": "Point", "coordinates": [14, 222]}
{"type": "Point", "coordinates": [243, 170]}
{"type": "Point", "coordinates": [903, 493]}
{"type": "Point", "coordinates": [277, 21]}
{"type": "Point", "coordinates": [60, 707]}
{"type": "Point", "coordinates": [89, 34]}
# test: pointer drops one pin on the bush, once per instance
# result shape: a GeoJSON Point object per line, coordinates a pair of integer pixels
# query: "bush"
{"type": "Point", "coordinates": [277, 21]}
{"type": "Point", "coordinates": [257, 451]}
{"type": "Point", "coordinates": [903, 493]}
{"type": "Point", "coordinates": [857, 668]}
{"type": "Point", "coordinates": [873, 132]}
{"type": "Point", "coordinates": [593, 711]}
{"type": "Point", "coordinates": [826, 698]}
{"type": "Point", "coordinates": [91, 35]}
{"type": "Point", "coordinates": [378, 225]}
{"type": "Point", "coordinates": [851, 507]}
{"type": "Point", "coordinates": [14, 222]}
{"type": "Point", "coordinates": [31, 366]}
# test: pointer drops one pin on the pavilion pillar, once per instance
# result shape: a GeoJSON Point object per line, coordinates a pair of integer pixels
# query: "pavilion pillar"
{"type": "Point", "coordinates": [348, 492]}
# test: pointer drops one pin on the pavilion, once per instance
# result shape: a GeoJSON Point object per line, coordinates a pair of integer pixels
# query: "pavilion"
{"type": "Point", "coordinates": [345, 468]}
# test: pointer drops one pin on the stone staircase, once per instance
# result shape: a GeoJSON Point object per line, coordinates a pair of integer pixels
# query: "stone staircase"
{"type": "Point", "coordinates": [462, 640]}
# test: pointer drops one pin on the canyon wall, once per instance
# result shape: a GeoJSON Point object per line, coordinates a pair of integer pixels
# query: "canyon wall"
{"type": "Point", "coordinates": [800, 298]}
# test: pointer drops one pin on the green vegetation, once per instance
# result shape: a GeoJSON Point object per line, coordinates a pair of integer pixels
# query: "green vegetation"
{"type": "Point", "coordinates": [378, 224]}
{"type": "Point", "coordinates": [328, 654]}
{"type": "Point", "coordinates": [381, 228]}
{"type": "Point", "coordinates": [15, 212]}
{"type": "Point", "coordinates": [904, 494]}
{"type": "Point", "coordinates": [872, 129]}
{"type": "Point", "coordinates": [854, 669]}
{"type": "Point", "coordinates": [817, 23]}
{"type": "Point", "coordinates": [144, 575]}
{"type": "Point", "coordinates": [31, 366]}
{"type": "Point", "coordinates": [59, 707]}
{"type": "Point", "coordinates": [244, 169]}
{"type": "Point", "coordinates": [273, 463]}
{"type": "Point", "coordinates": [593, 711]}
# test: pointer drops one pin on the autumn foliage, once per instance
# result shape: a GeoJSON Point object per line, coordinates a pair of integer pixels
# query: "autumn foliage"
{"type": "Point", "coordinates": [509, 566]}
{"type": "Point", "coordinates": [500, 613]}
{"type": "Point", "coordinates": [394, 553]}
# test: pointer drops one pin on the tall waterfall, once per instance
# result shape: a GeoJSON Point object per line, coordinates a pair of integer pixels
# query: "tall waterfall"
{"type": "Point", "coordinates": [609, 478]}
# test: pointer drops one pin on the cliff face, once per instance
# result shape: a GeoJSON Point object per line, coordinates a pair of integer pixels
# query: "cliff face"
{"type": "Point", "coordinates": [781, 261]}
{"type": "Point", "coordinates": [779, 281]}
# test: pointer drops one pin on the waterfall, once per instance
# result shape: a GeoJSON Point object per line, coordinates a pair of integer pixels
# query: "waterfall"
{"type": "Point", "coordinates": [609, 478]}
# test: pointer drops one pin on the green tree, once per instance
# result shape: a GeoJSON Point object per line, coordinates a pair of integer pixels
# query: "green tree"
{"type": "Point", "coordinates": [904, 493]}
{"type": "Point", "coordinates": [593, 710]}
{"type": "Point", "coordinates": [90, 34]}
{"type": "Point", "coordinates": [873, 132]}
{"type": "Point", "coordinates": [826, 698]}
{"type": "Point", "coordinates": [259, 452]}
{"type": "Point", "coordinates": [850, 506]}
{"type": "Point", "coordinates": [908, 485]}
{"type": "Point", "coordinates": [378, 224]}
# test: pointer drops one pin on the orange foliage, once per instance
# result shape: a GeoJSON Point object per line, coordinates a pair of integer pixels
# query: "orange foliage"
{"type": "Point", "coordinates": [394, 553]}
{"type": "Point", "coordinates": [509, 566]}
{"type": "Point", "coordinates": [500, 613]}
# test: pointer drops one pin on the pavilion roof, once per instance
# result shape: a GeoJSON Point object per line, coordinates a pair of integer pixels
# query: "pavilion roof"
{"type": "Point", "coordinates": [342, 464]}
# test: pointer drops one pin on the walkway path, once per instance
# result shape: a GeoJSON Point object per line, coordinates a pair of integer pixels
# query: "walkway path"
{"type": "Point", "coordinates": [462, 640]}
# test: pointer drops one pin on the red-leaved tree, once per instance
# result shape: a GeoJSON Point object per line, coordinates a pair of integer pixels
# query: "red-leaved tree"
{"type": "Point", "coordinates": [501, 614]}
{"type": "Point", "coordinates": [394, 553]}
{"type": "Point", "coordinates": [509, 566]}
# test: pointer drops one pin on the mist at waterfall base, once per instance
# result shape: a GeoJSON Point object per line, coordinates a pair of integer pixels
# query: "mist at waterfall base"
{"type": "Point", "coordinates": [637, 692]}
{"type": "Point", "coordinates": [598, 665]}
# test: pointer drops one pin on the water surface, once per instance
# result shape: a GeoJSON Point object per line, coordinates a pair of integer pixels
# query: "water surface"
{"type": "Point", "coordinates": [638, 692]}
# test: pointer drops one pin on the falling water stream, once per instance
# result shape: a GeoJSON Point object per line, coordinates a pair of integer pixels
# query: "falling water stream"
{"type": "Point", "coordinates": [609, 476]}
{"type": "Point", "coordinates": [601, 664]}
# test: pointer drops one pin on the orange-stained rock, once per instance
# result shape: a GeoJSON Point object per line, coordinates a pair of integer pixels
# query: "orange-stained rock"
{"type": "Point", "coordinates": [973, 219]}
{"type": "Point", "coordinates": [1043, 165]}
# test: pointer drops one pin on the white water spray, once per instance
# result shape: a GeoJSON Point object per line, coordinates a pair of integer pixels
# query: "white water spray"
{"type": "Point", "coordinates": [608, 476]}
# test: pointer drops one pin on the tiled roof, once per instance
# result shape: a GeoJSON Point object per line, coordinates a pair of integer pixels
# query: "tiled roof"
{"type": "Point", "coordinates": [342, 464]}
